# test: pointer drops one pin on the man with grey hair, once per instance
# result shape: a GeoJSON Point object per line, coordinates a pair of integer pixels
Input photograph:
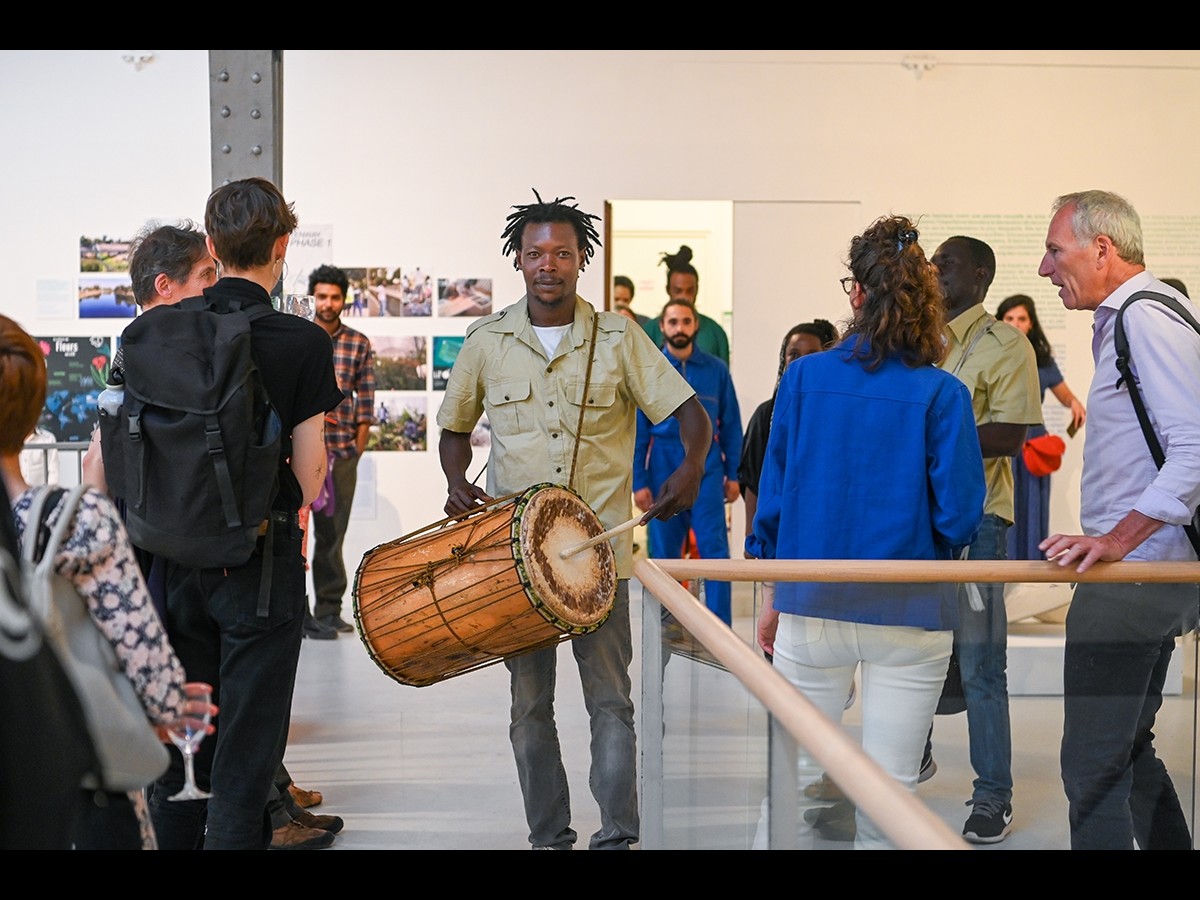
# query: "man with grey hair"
{"type": "Point", "coordinates": [1119, 637]}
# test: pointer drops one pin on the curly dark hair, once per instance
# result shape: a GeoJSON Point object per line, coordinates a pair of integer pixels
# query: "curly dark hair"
{"type": "Point", "coordinates": [542, 212]}
{"type": "Point", "coordinates": [328, 274]}
{"type": "Point", "coordinates": [902, 313]}
{"type": "Point", "coordinates": [1037, 337]}
{"type": "Point", "coordinates": [823, 331]}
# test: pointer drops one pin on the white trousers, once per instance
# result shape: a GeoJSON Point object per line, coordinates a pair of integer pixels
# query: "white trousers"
{"type": "Point", "coordinates": [903, 670]}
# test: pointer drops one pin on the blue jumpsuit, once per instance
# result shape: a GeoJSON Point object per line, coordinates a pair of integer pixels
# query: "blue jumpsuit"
{"type": "Point", "coordinates": [658, 451]}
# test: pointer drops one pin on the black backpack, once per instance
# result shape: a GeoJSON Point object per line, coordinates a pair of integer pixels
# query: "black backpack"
{"type": "Point", "coordinates": [194, 449]}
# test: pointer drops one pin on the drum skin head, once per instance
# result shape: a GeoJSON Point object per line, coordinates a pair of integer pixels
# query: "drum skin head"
{"type": "Point", "coordinates": [576, 592]}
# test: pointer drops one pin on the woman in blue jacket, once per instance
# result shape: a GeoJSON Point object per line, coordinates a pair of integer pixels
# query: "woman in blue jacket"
{"type": "Point", "coordinates": [873, 454]}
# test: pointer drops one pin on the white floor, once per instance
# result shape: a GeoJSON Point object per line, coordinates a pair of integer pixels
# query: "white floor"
{"type": "Point", "coordinates": [431, 767]}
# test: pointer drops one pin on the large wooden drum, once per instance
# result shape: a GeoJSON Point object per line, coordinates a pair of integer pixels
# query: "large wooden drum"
{"type": "Point", "coordinates": [463, 594]}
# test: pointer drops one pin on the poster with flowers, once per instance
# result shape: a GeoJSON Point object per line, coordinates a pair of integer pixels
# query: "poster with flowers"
{"type": "Point", "coordinates": [76, 371]}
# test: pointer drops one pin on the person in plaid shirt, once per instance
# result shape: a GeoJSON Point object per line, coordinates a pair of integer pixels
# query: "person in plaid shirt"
{"type": "Point", "coordinates": [346, 431]}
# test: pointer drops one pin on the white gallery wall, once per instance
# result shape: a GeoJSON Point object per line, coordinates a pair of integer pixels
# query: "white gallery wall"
{"type": "Point", "coordinates": [414, 158]}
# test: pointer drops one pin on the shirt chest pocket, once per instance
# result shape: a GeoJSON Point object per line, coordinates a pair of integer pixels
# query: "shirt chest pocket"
{"type": "Point", "coordinates": [509, 407]}
{"type": "Point", "coordinates": [601, 404]}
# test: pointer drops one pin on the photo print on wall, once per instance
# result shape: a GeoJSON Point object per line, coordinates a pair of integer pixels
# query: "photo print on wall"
{"type": "Point", "coordinates": [106, 296]}
{"type": "Point", "coordinates": [416, 293]}
{"type": "Point", "coordinates": [401, 362]}
{"type": "Point", "coordinates": [76, 371]}
{"type": "Point", "coordinates": [464, 296]}
{"type": "Point", "coordinates": [401, 422]}
{"type": "Point", "coordinates": [104, 254]}
{"type": "Point", "coordinates": [374, 291]}
{"type": "Point", "coordinates": [445, 352]}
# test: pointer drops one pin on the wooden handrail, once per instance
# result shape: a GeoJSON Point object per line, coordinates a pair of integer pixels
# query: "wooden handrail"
{"type": "Point", "coordinates": [907, 822]}
{"type": "Point", "coordinates": [1012, 571]}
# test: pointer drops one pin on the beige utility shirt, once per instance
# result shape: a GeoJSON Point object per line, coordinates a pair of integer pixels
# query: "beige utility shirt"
{"type": "Point", "coordinates": [1000, 370]}
{"type": "Point", "coordinates": [532, 404]}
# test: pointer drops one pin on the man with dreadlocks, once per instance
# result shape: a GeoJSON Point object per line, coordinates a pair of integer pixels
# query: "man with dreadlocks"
{"type": "Point", "coordinates": [526, 367]}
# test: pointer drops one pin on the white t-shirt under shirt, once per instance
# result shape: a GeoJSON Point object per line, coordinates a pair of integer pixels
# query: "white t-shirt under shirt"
{"type": "Point", "coordinates": [550, 335]}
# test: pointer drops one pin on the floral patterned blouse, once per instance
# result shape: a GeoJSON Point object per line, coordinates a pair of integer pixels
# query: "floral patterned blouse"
{"type": "Point", "coordinates": [97, 558]}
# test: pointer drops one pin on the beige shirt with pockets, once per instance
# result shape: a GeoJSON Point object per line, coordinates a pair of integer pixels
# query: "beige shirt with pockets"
{"type": "Point", "coordinates": [532, 403]}
{"type": "Point", "coordinates": [1000, 370]}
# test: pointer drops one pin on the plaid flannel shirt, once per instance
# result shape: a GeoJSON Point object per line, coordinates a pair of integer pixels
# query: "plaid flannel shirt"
{"type": "Point", "coordinates": [354, 366]}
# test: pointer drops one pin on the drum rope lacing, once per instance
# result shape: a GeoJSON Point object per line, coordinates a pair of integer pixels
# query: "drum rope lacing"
{"type": "Point", "coordinates": [454, 605]}
{"type": "Point", "coordinates": [477, 540]}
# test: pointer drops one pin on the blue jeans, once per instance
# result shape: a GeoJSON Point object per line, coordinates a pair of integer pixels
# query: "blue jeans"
{"type": "Point", "coordinates": [982, 644]}
{"type": "Point", "coordinates": [1119, 643]}
{"type": "Point", "coordinates": [603, 657]}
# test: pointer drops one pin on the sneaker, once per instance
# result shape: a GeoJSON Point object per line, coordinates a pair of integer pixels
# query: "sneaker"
{"type": "Point", "coordinates": [318, 631]}
{"type": "Point", "coordinates": [294, 836]}
{"type": "Point", "coordinates": [332, 824]}
{"type": "Point", "coordinates": [989, 823]}
{"type": "Point", "coordinates": [834, 823]}
{"type": "Point", "coordinates": [305, 799]}
{"type": "Point", "coordinates": [928, 768]}
{"type": "Point", "coordinates": [336, 622]}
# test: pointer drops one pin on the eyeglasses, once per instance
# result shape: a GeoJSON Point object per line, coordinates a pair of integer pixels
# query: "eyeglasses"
{"type": "Point", "coordinates": [847, 283]}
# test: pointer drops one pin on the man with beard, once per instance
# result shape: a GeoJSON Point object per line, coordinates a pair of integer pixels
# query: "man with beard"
{"type": "Point", "coordinates": [658, 451]}
{"type": "Point", "coordinates": [346, 432]}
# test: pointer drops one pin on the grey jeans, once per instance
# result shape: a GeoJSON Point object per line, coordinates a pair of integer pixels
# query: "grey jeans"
{"type": "Point", "coordinates": [603, 657]}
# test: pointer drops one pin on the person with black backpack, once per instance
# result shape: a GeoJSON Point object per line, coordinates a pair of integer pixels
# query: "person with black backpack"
{"type": "Point", "coordinates": [1120, 637]}
{"type": "Point", "coordinates": [235, 573]}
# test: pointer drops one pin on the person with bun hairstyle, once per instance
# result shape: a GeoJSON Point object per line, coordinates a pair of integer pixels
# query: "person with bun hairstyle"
{"type": "Point", "coordinates": [683, 283]}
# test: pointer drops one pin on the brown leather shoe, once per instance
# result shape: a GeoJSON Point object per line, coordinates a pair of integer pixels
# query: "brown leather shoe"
{"type": "Point", "coordinates": [305, 799]}
{"type": "Point", "coordinates": [294, 836]}
{"type": "Point", "coordinates": [332, 824]}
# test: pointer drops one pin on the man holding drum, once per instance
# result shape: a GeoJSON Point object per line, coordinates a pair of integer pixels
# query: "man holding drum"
{"type": "Point", "coordinates": [561, 385]}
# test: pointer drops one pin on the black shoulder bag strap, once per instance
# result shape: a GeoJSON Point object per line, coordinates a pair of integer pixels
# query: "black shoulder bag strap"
{"type": "Point", "coordinates": [1139, 405]}
{"type": "Point", "coordinates": [583, 398]}
{"type": "Point", "coordinates": [971, 346]}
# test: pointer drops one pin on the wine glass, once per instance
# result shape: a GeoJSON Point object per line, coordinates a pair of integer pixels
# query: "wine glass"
{"type": "Point", "coordinates": [302, 305]}
{"type": "Point", "coordinates": [187, 732]}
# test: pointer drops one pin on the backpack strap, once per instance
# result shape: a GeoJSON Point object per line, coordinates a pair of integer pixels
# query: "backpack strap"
{"type": "Point", "coordinates": [1121, 343]}
{"type": "Point", "coordinates": [971, 346]}
{"type": "Point", "coordinates": [253, 312]}
{"type": "Point", "coordinates": [37, 531]}
{"type": "Point", "coordinates": [42, 541]}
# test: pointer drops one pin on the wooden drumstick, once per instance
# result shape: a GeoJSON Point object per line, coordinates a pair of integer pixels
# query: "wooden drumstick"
{"type": "Point", "coordinates": [600, 538]}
